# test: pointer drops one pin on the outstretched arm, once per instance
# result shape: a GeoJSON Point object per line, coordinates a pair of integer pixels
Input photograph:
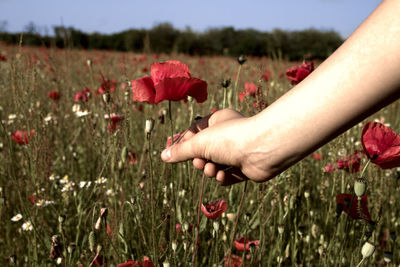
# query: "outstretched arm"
{"type": "Point", "coordinates": [358, 79]}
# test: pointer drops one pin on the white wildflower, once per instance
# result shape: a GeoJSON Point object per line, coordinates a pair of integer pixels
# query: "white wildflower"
{"type": "Point", "coordinates": [27, 226]}
{"type": "Point", "coordinates": [16, 218]}
{"type": "Point", "coordinates": [12, 116]}
{"type": "Point", "coordinates": [101, 180]}
{"type": "Point", "coordinates": [64, 180]}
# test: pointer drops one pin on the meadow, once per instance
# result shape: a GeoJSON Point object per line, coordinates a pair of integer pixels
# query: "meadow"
{"type": "Point", "coordinates": [82, 182]}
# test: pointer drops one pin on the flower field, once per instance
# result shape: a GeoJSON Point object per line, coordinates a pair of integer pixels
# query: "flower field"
{"type": "Point", "coordinates": [82, 182]}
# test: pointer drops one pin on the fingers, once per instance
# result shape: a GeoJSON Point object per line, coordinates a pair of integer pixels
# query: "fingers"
{"type": "Point", "coordinates": [224, 175]}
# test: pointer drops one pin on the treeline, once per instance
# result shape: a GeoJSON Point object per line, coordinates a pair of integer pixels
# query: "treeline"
{"type": "Point", "coordinates": [164, 38]}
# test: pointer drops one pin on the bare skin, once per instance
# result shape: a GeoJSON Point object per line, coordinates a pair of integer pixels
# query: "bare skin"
{"type": "Point", "coordinates": [360, 78]}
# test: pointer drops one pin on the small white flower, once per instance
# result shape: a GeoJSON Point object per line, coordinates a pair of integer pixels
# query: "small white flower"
{"type": "Point", "coordinates": [80, 114]}
{"type": "Point", "coordinates": [64, 180]}
{"type": "Point", "coordinates": [27, 226]}
{"type": "Point", "coordinates": [68, 187]}
{"type": "Point", "coordinates": [101, 180]}
{"type": "Point", "coordinates": [12, 116]}
{"type": "Point", "coordinates": [76, 108]}
{"type": "Point", "coordinates": [16, 218]}
{"type": "Point", "coordinates": [110, 192]}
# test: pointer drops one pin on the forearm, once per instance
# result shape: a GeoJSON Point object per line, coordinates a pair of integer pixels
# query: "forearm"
{"type": "Point", "coordinates": [361, 77]}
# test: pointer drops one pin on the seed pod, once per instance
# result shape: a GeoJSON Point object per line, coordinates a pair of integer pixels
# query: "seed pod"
{"type": "Point", "coordinates": [71, 248]}
{"type": "Point", "coordinates": [92, 241]}
{"type": "Point", "coordinates": [174, 245]}
{"type": "Point", "coordinates": [388, 256]}
{"type": "Point", "coordinates": [281, 228]}
{"type": "Point", "coordinates": [226, 82]}
{"type": "Point", "coordinates": [367, 249]}
{"type": "Point", "coordinates": [61, 218]}
{"type": "Point", "coordinates": [360, 187]}
{"type": "Point", "coordinates": [216, 226]}
{"type": "Point", "coordinates": [149, 126]}
{"type": "Point", "coordinates": [241, 59]}
{"type": "Point", "coordinates": [106, 97]}
{"type": "Point", "coordinates": [97, 225]}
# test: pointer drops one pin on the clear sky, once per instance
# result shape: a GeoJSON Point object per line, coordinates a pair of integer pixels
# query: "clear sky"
{"type": "Point", "coordinates": [117, 15]}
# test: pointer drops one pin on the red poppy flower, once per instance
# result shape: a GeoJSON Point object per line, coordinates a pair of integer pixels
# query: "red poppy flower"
{"type": "Point", "coordinates": [250, 89]}
{"type": "Point", "coordinates": [132, 157]}
{"type": "Point", "coordinates": [176, 137]}
{"type": "Point", "coordinates": [22, 137]}
{"type": "Point", "coordinates": [244, 243]}
{"type": "Point", "coordinates": [115, 121]}
{"type": "Point", "coordinates": [82, 95]}
{"type": "Point", "coordinates": [2, 58]}
{"type": "Point", "coordinates": [350, 163]}
{"type": "Point", "coordinates": [266, 76]}
{"type": "Point", "coordinates": [170, 80]}
{"type": "Point", "coordinates": [241, 96]}
{"type": "Point", "coordinates": [145, 262]}
{"type": "Point", "coordinates": [317, 156]}
{"type": "Point", "coordinates": [381, 145]}
{"type": "Point", "coordinates": [329, 168]}
{"type": "Point", "coordinates": [106, 86]}
{"type": "Point", "coordinates": [233, 261]}
{"type": "Point", "coordinates": [350, 204]}
{"type": "Point", "coordinates": [212, 210]}
{"type": "Point", "coordinates": [298, 73]}
{"type": "Point", "coordinates": [55, 95]}
{"type": "Point", "coordinates": [179, 230]}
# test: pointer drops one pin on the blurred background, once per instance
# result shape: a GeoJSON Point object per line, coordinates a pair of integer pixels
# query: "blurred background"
{"type": "Point", "coordinates": [260, 28]}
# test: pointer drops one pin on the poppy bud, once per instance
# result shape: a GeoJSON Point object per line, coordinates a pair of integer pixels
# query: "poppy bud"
{"type": "Point", "coordinates": [106, 97]}
{"type": "Point", "coordinates": [71, 248]}
{"type": "Point", "coordinates": [306, 194]}
{"type": "Point", "coordinates": [241, 59]}
{"type": "Point", "coordinates": [166, 264]}
{"type": "Point", "coordinates": [226, 82]}
{"type": "Point", "coordinates": [124, 154]}
{"type": "Point", "coordinates": [13, 259]}
{"type": "Point", "coordinates": [388, 256]}
{"type": "Point", "coordinates": [367, 249]}
{"type": "Point", "coordinates": [161, 115]}
{"type": "Point", "coordinates": [360, 187]}
{"type": "Point", "coordinates": [97, 225]}
{"type": "Point", "coordinates": [92, 241]}
{"type": "Point", "coordinates": [61, 218]}
{"type": "Point", "coordinates": [89, 62]}
{"type": "Point", "coordinates": [149, 126]}
{"type": "Point", "coordinates": [216, 226]}
{"type": "Point", "coordinates": [281, 228]}
{"type": "Point", "coordinates": [120, 165]}
{"type": "Point", "coordinates": [174, 245]}
{"type": "Point", "coordinates": [231, 216]}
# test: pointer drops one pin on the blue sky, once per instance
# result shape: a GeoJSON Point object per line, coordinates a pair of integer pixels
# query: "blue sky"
{"type": "Point", "coordinates": [117, 15]}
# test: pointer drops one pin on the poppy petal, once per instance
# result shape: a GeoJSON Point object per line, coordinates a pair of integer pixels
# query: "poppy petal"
{"type": "Point", "coordinates": [169, 69]}
{"type": "Point", "coordinates": [381, 144]}
{"type": "Point", "coordinates": [143, 90]}
{"type": "Point", "coordinates": [176, 89]}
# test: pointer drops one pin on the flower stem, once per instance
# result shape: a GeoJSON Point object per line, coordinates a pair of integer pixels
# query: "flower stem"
{"type": "Point", "coordinates": [365, 168]}
{"type": "Point", "coordinates": [236, 222]}
{"type": "Point", "coordinates": [152, 200]}
{"type": "Point", "coordinates": [235, 93]}
{"type": "Point", "coordinates": [203, 178]}
{"type": "Point", "coordinates": [170, 121]}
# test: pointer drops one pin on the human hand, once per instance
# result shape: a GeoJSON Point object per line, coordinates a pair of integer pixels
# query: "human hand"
{"type": "Point", "coordinates": [218, 145]}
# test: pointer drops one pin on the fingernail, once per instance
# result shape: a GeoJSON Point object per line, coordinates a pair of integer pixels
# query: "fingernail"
{"type": "Point", "coordinates": [166, 155]}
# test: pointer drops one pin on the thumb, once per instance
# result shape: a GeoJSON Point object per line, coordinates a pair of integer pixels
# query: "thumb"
{"type": "Point", "coordinates": [182, 151]}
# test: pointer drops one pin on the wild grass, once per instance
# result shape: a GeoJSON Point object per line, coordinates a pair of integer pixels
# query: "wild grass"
{"type": "Point", "coordinates": [73, 167]}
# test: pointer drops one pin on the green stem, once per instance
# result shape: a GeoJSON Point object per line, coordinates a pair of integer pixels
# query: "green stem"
{"type": "Point", "coordinates": [152, 201]}
{"type": "Point", "coordinates": [170, 121]}
{"type": "Point", "coordinates": [236, 222]}
{"type": "Point", "coordinates": [198, 220]}
{"type": "Point", "coordinates": [365, 168]}
{"type": "Point", "coordinates": [235, 93]}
